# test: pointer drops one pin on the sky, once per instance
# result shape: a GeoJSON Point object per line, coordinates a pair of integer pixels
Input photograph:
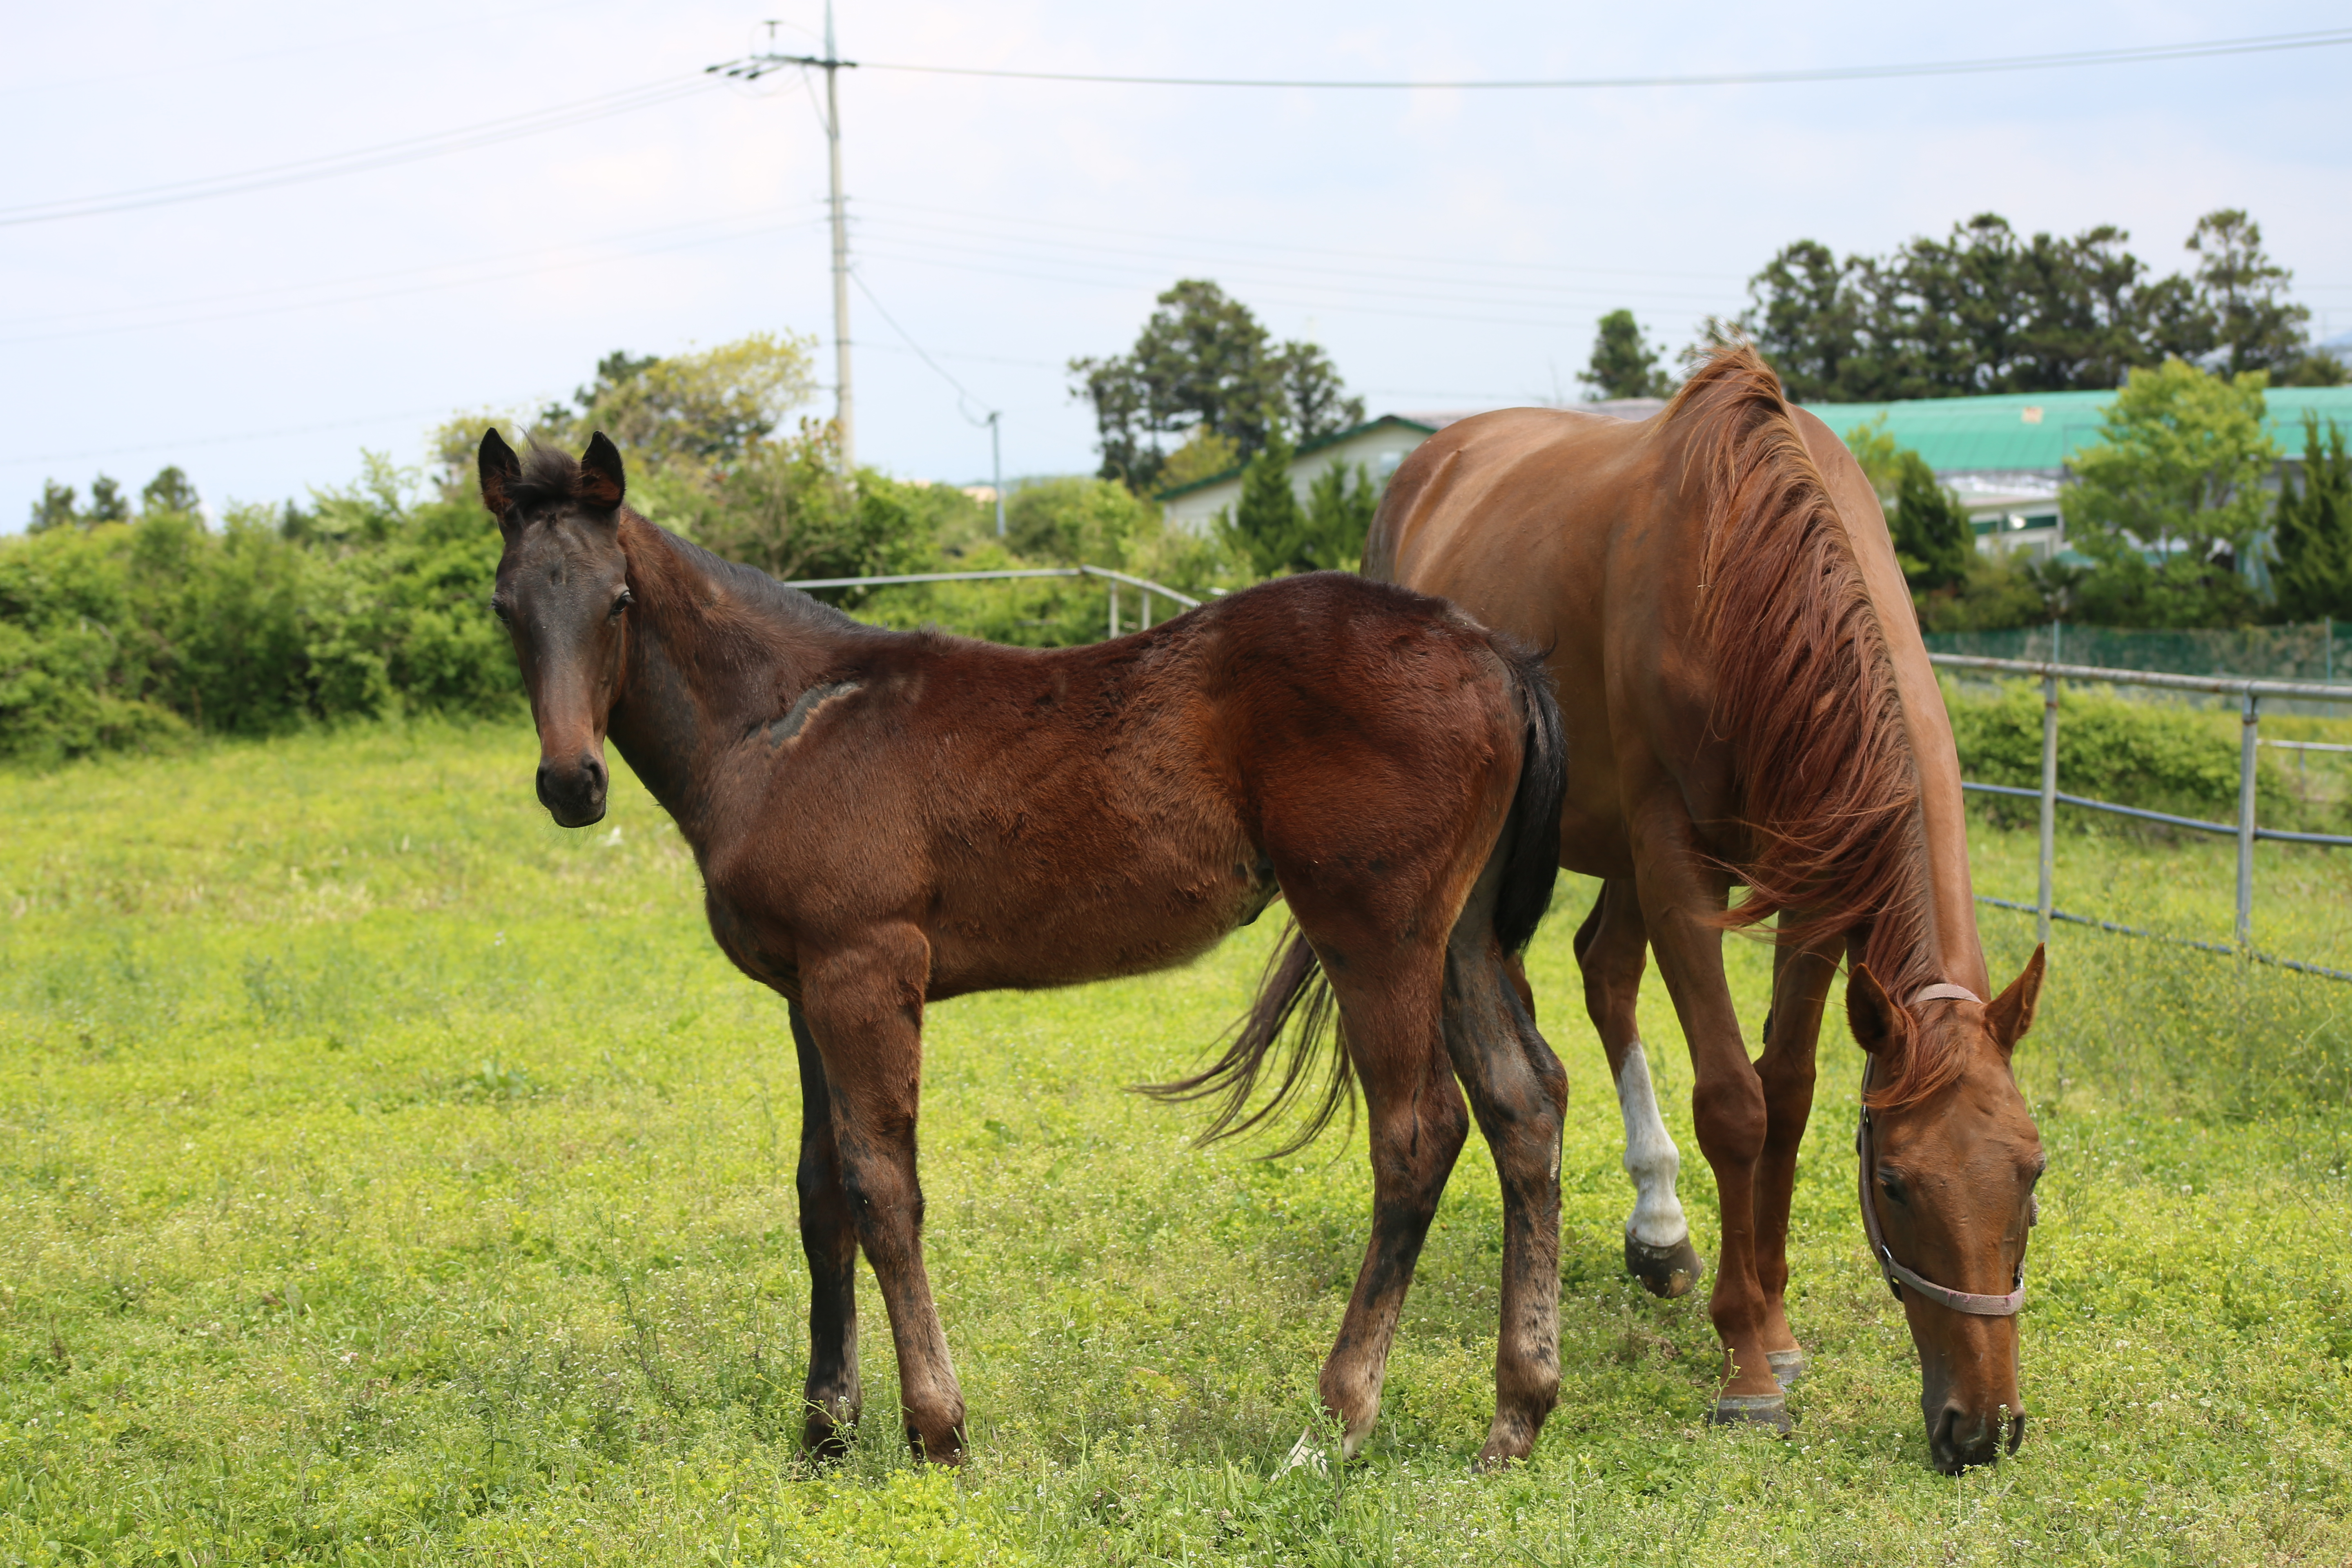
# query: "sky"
{"type": "Point", "coordinates": [590, 188]}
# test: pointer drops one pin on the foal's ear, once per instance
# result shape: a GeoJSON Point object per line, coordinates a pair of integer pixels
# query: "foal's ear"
{"type": "Point", "coordinates": [602, 483]}
{"type": "Point", "coordinates": [2011, 1014]}
{"type": "Point", "coordinates": [1877, 1022]}
{"type": "Point", "coordinates": [499, 468]}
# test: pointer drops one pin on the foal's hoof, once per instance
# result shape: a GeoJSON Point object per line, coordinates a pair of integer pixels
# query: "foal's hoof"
{"type": "Point", "coordinates": [1667, 1271]}
{"type": "Point", "coordinates": [1787, 1366]}
{"type": "Point", "coordinates": [825, 1435]}
{"type": "Point", "coordinates": [1770, 1410]}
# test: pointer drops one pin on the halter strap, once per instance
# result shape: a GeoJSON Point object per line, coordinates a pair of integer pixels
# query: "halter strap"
{"type": "Point", "coordinates": [1898, 1275]}
{"type": "Point", "coordinates": [1945, 991]}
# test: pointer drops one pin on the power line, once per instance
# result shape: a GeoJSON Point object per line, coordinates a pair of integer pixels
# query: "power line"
{"type": "Point", "coordinates": [536, 269]}
{"type": "Point", "coordinates": [1230, 242]}
{"type": "Point", "coordinates": [2142, 54]}
{"type": "Point", "coordinates": [361, 159]}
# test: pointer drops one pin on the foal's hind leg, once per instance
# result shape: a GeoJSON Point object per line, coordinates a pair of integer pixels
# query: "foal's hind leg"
{"type": "Point", "coordinates": [1519, 1093]}
{"type": "Point", "coordinates": [1610, 948]}
{"type": "Point", "coordinates": [829, 1240]}
{"type": "Point", "coordinates": [1416, 1124]}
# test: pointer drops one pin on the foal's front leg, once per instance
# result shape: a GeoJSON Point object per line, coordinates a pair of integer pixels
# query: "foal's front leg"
{"type": "Point", "coordinates": [865, 1008]}
{"type": "Point", "coordinates": [829, 1241]}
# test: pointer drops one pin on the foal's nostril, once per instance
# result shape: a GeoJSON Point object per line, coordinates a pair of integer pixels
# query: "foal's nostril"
{"type": "Point", "coordinates": [592, 767]}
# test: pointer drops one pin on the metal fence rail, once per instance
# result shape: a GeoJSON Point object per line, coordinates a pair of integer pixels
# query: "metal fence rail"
{"type": "Point", "coordinates": [2250, 695]}
{"type": "Point", "coordinates": [1144, 588]}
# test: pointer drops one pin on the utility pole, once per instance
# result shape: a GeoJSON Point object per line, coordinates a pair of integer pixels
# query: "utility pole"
{"type": "Point", "coordinates": [751, 67]}
{"type": "Point", "coordinates": [996, 465]}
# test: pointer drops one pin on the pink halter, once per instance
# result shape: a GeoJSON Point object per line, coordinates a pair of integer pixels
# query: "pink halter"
{"type": "Point", "coordinates": [1867, 1159]}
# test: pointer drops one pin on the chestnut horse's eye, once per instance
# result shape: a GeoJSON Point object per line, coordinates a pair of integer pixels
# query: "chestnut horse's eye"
{"type": "Point", "coordinates": [1891, 1185]}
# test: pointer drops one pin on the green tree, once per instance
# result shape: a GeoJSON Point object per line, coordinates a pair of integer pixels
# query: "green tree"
{"type": "Point", "coordinates": [2242, 293]}
{"type": "Point", "coordinates": [2180, 461]}
{"type": "Point", "coordinates": [2311, 529]}
{"type": "Point", "coordinates": [1984, 309]}
{"type": "Point", "coordinates": [1806, 314]}
{"type": "Point", "coordinates": [55, 509]}
{"type": "Point", "coordinates": [785, 507]}
{"type": "Point", "coordinates": [1934, 539]}
{"type": "Point", "coordinates": [1341, 502]}
{"type": "Point", "coordinates": [1076, 521]}
{"type": "Point", "coordinates": [706, 407]}
{"type": "Point", "coordinates": [106, 502]}
{"type": "Point", "coordinates": [1268, 527]}
{"type": "Point", "coordinates": [1313, 399]}
{"type": "Point", "coordinates": [1204, 363]}
{"type": "Point", "coordinates": [1625, 364]}
{"type": "Point", "coordinates": [169, 490]}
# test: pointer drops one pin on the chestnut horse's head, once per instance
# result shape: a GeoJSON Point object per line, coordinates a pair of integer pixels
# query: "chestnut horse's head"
{"type": "Point", "coordinates": [1950, 1158]}
{"type": "Point", "coordinates": [563, 593]}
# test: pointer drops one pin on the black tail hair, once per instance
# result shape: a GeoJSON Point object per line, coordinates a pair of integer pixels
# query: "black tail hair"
{"type": "Point", "coordinates": [1294, 985]}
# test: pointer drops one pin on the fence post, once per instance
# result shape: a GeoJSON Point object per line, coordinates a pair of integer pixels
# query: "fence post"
{"type": "Point", "coordinates": [1114, 609]}
{"type": "Point", "coordinates": [1144, 596]}
{"type": "Point", "coordinates": [2049, 800]}
{"type": "Point", "coordinates": [2248, 733]}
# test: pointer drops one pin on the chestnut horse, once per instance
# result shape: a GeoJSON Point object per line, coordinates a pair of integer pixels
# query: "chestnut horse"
{"type": "Point", "coordinates": [884, 819]}
{"type": "Point", "coordinates": [1747, 701]}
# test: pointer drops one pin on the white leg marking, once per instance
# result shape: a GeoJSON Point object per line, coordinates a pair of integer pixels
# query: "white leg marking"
{"type": "Point", "coordinates": [1651, 1158]}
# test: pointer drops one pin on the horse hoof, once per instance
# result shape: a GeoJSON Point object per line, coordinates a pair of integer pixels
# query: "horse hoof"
{"type": "Point", "coordinates": [1787, 1366]}
{"type": "Point", "coordinates": [1667, 1271]}
{"type": "Point", "coordinates": [1769, 1410]}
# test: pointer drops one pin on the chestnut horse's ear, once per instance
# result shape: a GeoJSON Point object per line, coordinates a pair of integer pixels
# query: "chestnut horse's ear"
{"type": "Point", "coordinates": [1877, 1022]}
{"type": "Point", "coordinates": [602, 483]}
{"type": "Point", "coordinates": [499, 467]}
{"type": "Point", "coordinates": [2011, 1014]}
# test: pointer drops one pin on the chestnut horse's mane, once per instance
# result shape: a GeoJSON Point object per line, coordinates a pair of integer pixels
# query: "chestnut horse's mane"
{"type": "Point", "coordinates": [1806, 701]}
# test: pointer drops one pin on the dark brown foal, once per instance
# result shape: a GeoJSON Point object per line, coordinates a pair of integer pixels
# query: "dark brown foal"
{"type": "Point", "coordinates": [884, 819]}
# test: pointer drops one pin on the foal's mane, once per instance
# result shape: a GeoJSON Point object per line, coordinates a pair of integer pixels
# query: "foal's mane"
{"type": "Point", "coordinates": [664, 568]}
{"type": "Point", "coordinates": [1807, 699]}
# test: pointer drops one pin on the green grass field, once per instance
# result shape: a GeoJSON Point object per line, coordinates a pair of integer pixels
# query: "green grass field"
{"type": "Point", "coordinates": [389, 1176]}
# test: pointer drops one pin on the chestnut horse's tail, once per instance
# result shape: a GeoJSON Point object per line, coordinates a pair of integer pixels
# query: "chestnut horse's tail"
{"type": "Point", "coordinates": [1294, 995]}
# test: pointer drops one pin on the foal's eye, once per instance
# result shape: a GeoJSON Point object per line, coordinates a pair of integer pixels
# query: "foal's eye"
{"type": "Point", "coordinates": [498, 607]}
{"type": "Point", "coordinates": [623, 601]}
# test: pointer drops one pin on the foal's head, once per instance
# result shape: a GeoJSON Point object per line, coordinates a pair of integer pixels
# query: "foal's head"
{"type": "Point", "coordinates": [1950, 1161]}
{"type": "Point", "coordinates": [563, 594]}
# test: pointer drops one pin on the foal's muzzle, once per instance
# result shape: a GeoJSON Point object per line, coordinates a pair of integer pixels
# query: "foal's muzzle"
{"type": "Point", "coordinates": [573, 792]}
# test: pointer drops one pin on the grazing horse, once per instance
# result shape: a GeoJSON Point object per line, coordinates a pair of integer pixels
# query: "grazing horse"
{"type": "Point", "coordinates": [885, 819]}
{"type": "Point", "coordinates": [1747, 701]}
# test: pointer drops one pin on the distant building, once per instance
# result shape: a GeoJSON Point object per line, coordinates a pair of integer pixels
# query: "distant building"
{"type": "Point", "coordinates": [2005, 455]}
{"type": "Point", "coordinates": [1377, 445]}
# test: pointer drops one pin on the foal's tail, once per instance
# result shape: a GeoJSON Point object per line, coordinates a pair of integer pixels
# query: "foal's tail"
{"type": "Point", "coordinates": [1295, 986]}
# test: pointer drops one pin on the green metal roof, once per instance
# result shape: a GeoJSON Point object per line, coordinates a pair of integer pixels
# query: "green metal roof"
{"type": "Point", "coordinates": [2041, 429]}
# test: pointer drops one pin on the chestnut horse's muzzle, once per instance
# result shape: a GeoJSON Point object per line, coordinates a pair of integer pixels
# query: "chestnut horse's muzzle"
{"type": "Point", "coordinates": [1958, 1440]}
{"type": "Point", "coordinates": [574, 791]}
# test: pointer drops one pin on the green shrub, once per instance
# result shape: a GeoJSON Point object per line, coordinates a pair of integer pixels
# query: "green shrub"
{"type": "Point", "coordinates": [132, 635]}
{"type": "Point", "coordinates": [2153, 756]}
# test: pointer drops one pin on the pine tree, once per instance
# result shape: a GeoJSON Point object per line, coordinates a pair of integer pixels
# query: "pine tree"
{"type": "Point", "coordinates": [1623, 363]}
{"type": "Point", "coordinates": [2312, 529]}
{"type": "Point", "coordinates": [1269, 525]}
{"type": "Point", "coordinates": [1932, 536]}
{"type": "Point", "coordinates": [54, 510]}
{"type": "Point", "coordinates": [1339, 508]}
